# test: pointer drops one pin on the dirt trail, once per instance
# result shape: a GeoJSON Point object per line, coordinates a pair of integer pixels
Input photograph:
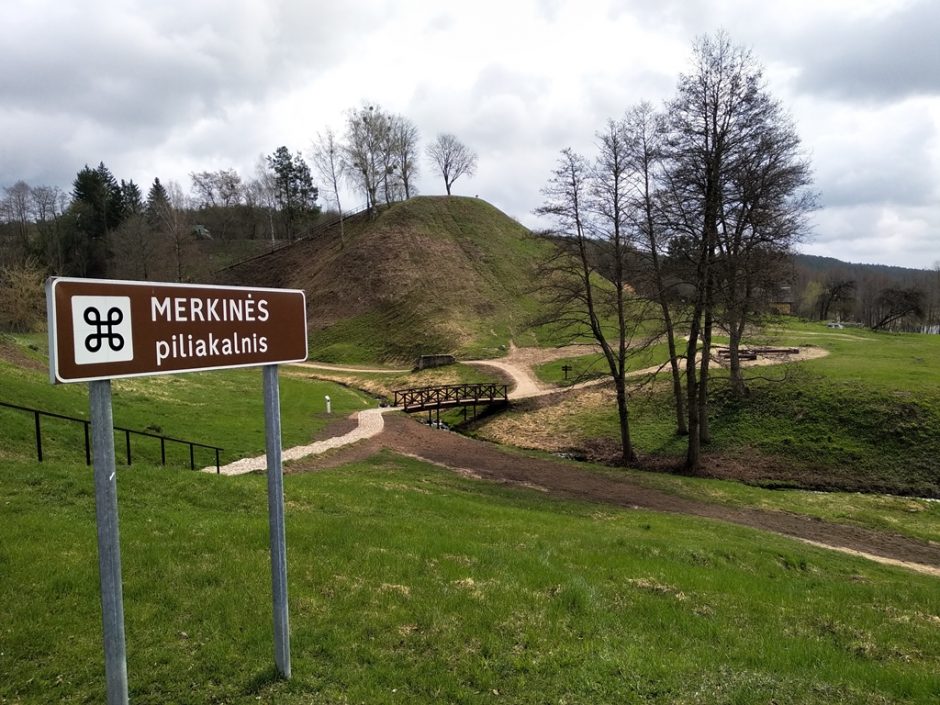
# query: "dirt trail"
{"type": "Point", "coordinates": [519, 362]}
{"type": "Point", "coordinates": [344, 368]}
{"type": "Point", "coordinates": [487, 461]}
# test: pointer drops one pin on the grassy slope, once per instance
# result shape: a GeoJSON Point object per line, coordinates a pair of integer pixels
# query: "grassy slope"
{"type": "Point", "coordinates": [429, 275]}
{"type": "Point", "coordinates": [198, 407]}
{"type": "Point", "coordinates": [412, 585]}
{"type": "Point", "coordinates": [867, 417]}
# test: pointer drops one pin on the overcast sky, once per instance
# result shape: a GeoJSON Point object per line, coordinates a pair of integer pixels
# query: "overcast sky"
{"type": "Point", "coordinates": [164, 88]}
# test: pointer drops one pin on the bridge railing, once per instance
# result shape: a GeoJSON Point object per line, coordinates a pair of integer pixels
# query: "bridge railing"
{"type": "Point", "coordinates": [418, 398]}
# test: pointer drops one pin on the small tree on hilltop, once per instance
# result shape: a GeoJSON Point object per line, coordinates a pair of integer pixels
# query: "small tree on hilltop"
{"type": "Point", "coordinates": [452, 159]}
{"type": "Point", "coordinates": [327, 158]}
{"type": "Point", "coordinates": [365, 155]}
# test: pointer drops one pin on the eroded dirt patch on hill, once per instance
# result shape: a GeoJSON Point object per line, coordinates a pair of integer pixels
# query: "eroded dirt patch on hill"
{"type": "Point", "coordinates": [16, 356]}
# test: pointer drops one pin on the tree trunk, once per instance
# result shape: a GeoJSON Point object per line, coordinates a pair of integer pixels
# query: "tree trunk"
{"type": "Point", "coordinates": [682, 428]}
{"type": "Point", "coordinates": [735, 334]}
{"type": "Point", "coordinates": [693, 454]}
{"type": "Point", "coordinates": [627, 453]}
{"type": "Point", "coordinates": [703, 429]}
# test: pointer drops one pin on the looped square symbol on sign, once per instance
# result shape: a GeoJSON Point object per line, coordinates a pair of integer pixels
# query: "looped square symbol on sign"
{"type": "Point", "coordinates": [104, 329]}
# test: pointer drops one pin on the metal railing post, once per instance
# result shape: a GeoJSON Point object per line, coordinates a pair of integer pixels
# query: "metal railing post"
{"type": "Point", "coordinates": [38, 437]}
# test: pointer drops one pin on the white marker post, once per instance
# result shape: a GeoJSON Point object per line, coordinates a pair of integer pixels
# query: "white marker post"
{"type": "Point", "coordinates": [104, 329]}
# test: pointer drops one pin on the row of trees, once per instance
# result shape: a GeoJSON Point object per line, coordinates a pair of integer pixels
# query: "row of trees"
{"type": "Point", "coordinates": [104, 227]}
{"type": "Point", "coordinates": [378, 156]}
{"type": "Point", "coordinates": [879, 297]}
{"type": "Point", "coordinates": [692, 212]}
{"type": "Point", "coordinates": [95, 228]}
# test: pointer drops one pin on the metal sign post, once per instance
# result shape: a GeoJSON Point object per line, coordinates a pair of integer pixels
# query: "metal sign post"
{"type": "Point", "coordinates": [272, 434]}
{"type": "Point", "coordinates": [103, 329]}
{"type": "Point", "coordinates": [109, 542]}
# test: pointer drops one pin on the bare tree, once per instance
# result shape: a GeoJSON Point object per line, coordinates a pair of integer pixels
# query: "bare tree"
{"type": "Point", "coordinates": [451, 158]}
{"type": "Point", "coordinates": [837, 289]}
{"type": "Point", "coordinates": [897, 305]}
{"type": "Point", "coordinates": [403, 147]}
{"type": "Point", "coordinates": [260, 194]}
{"type": "Point", "coordinates": [365, 157]}
{"type": "Point", "coordinates": [217, 189]}
{"type": "Point", "coordinates": [49, 205]}
{"type": "Point", "coordinates": [136, 248]}
{"type": "Point", "coordinates": [643, 130]}
{"type": "Point", "coordinates": [218, 195]}
{"type": "Point", "coordinates": [327, 158]}
{"type": "Point", "coordinates": [732, 180]}
{"type": "Point", "coordinates": [16, 207]}
{"type": "Point", "coordinates": [166, 213]}
{"type": "Point", "coordinates": [762, 216]}
{"type": "Point", "coordinates": [589, 206]}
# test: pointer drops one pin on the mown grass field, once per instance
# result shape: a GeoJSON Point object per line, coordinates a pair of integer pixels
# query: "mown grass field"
{"type": "Point", "coordinates": [409, 584]}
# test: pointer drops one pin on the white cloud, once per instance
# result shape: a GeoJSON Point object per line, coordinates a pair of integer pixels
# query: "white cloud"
{"type": "Point", "coordinates": [162, 89]}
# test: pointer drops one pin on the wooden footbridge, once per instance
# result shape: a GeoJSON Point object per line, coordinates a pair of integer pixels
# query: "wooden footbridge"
{"type": "Point", "coordinates": [448, 396]}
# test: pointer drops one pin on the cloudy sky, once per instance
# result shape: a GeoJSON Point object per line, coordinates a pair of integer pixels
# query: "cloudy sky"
{"type": "Point", "coordinates": [170, 87]}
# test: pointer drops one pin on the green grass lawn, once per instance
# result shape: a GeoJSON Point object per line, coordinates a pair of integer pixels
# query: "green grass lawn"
{"type": "Point", "coordinates": [865, 417]}
{"type": "Point", "coordinates": [221, 408]}
{"type": "Point", "coordinates": [584, 367]}
{"type": "Point", "coordinates": [409, 584]}
{"type": "Point", "coordinates": [897, 363]}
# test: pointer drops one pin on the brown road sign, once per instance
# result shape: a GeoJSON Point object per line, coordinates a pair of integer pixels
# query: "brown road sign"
{"type": "Point", "coordinates": [101, 329]}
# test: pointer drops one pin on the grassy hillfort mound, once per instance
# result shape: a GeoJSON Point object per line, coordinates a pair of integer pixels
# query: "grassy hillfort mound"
{"type": "Point", "coordinates": [433, 274]}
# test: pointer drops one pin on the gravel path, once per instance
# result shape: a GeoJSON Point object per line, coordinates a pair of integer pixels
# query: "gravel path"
{"type": "Point", "coordinates": [526, 386]}
{"type": "Point", "coordinates": [370, 424]}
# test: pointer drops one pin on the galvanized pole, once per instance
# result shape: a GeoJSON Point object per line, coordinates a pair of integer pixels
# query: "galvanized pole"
{"type": "Point", "coordinates": [109, 543]}
{"type": "Point", "coordinates": [272, 428]}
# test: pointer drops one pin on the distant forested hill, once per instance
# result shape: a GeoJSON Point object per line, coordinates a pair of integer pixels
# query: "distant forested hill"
{"type": "Point", "coordinates": [828, 288]}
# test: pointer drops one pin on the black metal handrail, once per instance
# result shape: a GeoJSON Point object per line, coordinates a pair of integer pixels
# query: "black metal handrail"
{"type": "Point", "coordinates": [37, 413]}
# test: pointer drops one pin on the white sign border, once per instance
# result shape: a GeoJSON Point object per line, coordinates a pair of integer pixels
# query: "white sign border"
{"type": "Point", "coordinates": [51, 323]}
